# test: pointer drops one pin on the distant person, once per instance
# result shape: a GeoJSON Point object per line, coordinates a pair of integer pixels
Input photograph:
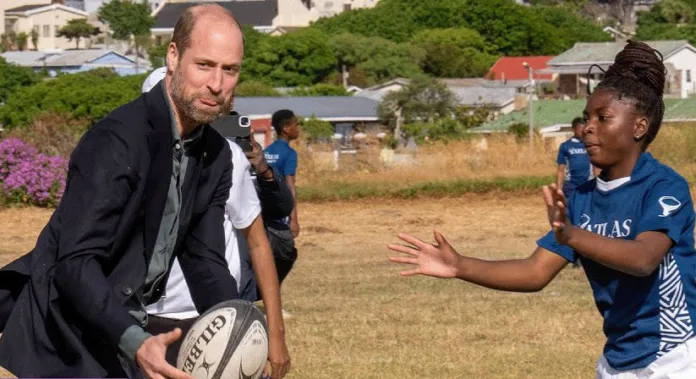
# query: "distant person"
{"type": "Point", "coordinates": [283, 158]}
{"type": "Point", "coordinates": [632, 226]}
{"type": "Point", "coordinates": [574, 167]}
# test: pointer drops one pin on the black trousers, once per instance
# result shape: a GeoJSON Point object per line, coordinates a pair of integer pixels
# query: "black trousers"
{"type": "Point", "coordinates": [157, 325]}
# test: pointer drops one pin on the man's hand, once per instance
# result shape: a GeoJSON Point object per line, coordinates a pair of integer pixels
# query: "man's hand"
{"type": "Point", "coordinates": [278, 358]}
{"type": "Point", "coordinates": [150, 357]}
{"type": "Point", "coordinates": [295, 228]}
{"type": "Point", "coordinates": [258, 160]}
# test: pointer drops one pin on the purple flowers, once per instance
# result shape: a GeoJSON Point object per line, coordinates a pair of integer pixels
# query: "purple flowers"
{"type": "Point", "coordinates": [29, 177]}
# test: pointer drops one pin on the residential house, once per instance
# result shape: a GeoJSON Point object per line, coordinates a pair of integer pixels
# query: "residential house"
{"type": "Point", "coordinates": [553, 117]}
{"type": "Point", "coordinates": [471, 92]}
{"type": "Point", "coordinates": [9, 4]}
{"type": "Point", "coordinates": [515, 72]}
{"type": "Point", "coordinates": [300, 13]}
{"type": "Point", "coordinates": [344, 112]}
{"type": "Point", "coordinates": [256, 13]}
{"type": "Point", "coordinates": [92, 6]}
{"type": "Point", "coordinates": [46, 19]}
{"type": "Point", "coordinates": [328, 8]}
{"type": "Point", "coordinates": [71, 61]}
{"type": "Point", "coordinates": [573, 66]}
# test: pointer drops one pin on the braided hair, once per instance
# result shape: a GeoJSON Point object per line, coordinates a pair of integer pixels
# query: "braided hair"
{"type": "Point", "coordinates": [639, 74]}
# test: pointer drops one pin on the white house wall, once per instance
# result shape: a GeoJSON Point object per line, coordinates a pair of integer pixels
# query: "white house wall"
{"type": "Point", "coordinates": [292, 13]}
{"type": "Point", "coordinates": [685, 61]}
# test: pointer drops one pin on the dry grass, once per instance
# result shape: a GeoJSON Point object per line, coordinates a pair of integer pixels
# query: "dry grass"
{"type": "Point", "coordinates": [479, 158]}
{"type": "Point", "coordinates": [356, 318]}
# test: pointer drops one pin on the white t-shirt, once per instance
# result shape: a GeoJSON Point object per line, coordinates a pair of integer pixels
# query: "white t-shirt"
{"type": "Point", "coordinates": [242, 208]}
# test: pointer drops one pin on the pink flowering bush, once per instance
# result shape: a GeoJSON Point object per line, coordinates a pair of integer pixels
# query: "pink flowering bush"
{"type": "Point", "coordinates": [29, 177]}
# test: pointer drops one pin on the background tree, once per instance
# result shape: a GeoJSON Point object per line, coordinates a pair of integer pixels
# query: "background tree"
{"type": "Point", "coordinates": [372, 60]}
{"type": "Point", "coordinates": [128, 19]}
{"type": "Point", "coordinates": [35, 38]}
{"type": "Point", "coordinates": [423, 100]}
{"type": "Point", "coordinates": [668, 20]}
{"type": "Point", "coordinates": [300, 58]}
{"type": "Point", "coordinates": [455, 52]}
{"type": "Point", "coordinates": [78, 28]}
{"type": "Point", "coordinates": [514, 29]}
{"type": "Point", "coordinates": [250, 88]}
{"type": "Point", "coordinates": [22, 41]}
{"type": "Point", "coordinates": [13, 77]}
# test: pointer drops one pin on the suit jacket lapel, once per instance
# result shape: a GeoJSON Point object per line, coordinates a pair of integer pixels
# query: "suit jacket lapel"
{"type": "Point", "coordinates": [190, 187]}
{"type": "Point", "coordinates": [160, 142]}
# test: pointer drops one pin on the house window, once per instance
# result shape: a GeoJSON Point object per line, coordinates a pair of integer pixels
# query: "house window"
{"type": "Point", "coordinates": [328, 5]}
{"type": "Point", "coordinates": [35, 29]}
{"type": "Point", "coordinates": [57, 29]}
{"type": "Point", "coordinates": [47, 31]}
{"type": "Point", "coordinates": [688, 76]}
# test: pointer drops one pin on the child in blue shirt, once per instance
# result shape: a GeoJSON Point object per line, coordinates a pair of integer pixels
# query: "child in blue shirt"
{"type": "Point", "coordinates": [574, 166]}
{"type": "Point", "coordinates": [632, 228]}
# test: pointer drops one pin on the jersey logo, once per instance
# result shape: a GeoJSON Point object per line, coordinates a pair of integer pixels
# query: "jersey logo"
{"type": "Point", "coordinates": [669, 204]}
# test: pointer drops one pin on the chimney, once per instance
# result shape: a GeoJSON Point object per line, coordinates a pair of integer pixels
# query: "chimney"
{"type": "Point", "coordinates": [62, 2]}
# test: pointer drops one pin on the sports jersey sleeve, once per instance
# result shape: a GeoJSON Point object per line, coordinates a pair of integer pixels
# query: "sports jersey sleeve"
{"type": "Point", "coordinates": [290, 166]}
{"type": "Point", "coordinates": [667, 208]}
{"type": "Point", "coordinates": [549, 243]}
{"type": "Point", "coordinates": [243, 204]}
{"type": "Point", "coordinates": [561, 159]}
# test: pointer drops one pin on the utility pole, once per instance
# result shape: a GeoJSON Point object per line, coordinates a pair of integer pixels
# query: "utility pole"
{"type": "Point", "coordinates": [530, 70]}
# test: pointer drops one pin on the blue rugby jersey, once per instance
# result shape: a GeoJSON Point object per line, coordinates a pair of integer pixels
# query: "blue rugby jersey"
{"type": "Point", "coordinates": [644, 317]}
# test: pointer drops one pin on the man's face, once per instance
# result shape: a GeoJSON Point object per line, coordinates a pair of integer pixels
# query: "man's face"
{"type": "Point", "coordinates": [293, 129]}
{"type": "Point", "coordinates": [206, 74]}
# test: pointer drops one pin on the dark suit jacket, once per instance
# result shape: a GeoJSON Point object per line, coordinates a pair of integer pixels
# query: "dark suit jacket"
{"type": "Point", "coordinates": [62, 304]}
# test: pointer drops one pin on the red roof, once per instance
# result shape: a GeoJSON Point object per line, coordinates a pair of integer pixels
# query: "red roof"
{"type": "Point", "coordinates": [512, 68]}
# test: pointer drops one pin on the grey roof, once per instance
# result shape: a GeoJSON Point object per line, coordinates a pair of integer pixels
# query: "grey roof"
{"type": "Point", "coordinates": [54, 59]}
{"type": "Point", "coordinates": [25, 8]}
{"type": "Point", "coordinates": [247, 12]}
{"type": "Point", "coordinates": [76, 57]}
{"type": "Point", "coordinates": [23, 58]}
{"type": "Point", "coordinates": [485, 92]}
{"type": "Point", "coordinates": [583, 53]}
{"type": "Point", "coordinates": [338, 107]}
{"type": "Point", "coordinates": [472, 96]}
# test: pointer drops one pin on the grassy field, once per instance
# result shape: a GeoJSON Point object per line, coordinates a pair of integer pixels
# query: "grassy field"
{"type": "Point", "coordinates": [354, 317]}
{"type": "Point", "coordinates": [477, 165]}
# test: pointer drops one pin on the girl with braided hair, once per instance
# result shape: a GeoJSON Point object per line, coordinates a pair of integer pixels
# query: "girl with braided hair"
{"type": "Point", "coordinates": [632, 228]}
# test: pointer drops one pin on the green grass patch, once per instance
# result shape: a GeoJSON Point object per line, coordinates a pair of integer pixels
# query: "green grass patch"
{"type": "Point", "coordinates": [367, 190]}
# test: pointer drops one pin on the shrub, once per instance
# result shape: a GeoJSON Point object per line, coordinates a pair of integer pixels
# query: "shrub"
{"type": "Point", "coordinates": [88, 95]}
{"type": "Point", "coordinates": [29, 177]}
{"type": "Point", "coordinates": [52, 133]}
{"type": "Point", "coordinates": [316, 129]}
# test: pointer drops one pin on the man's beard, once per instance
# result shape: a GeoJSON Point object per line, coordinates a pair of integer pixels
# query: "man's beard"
{"type": "Point", "coordinates": [185, 103]}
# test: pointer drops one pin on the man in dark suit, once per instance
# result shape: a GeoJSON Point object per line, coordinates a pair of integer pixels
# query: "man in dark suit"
{"type": "Point", "coordinates": [146, 184]}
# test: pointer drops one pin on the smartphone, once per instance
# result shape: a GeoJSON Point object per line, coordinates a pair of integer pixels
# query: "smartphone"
{"type": "Point", "coordinates": [237, 128]}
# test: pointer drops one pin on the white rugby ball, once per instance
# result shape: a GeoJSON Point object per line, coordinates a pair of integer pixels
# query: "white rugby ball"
{"type": "Point", "coordinates": [229, 341]}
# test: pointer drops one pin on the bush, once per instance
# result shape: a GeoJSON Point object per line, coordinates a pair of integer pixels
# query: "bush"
{"type": "Point", "coordinates": [12, 77]}
{"type": "Point", "coordinates": [521, 131]}
{"type": "Point", "coordinates": [250, 88]}
{"type": "Point", "coordinates": [443, 129]}
{"type": "Point", "coordinates": [320, 89]}
{"type": "Point", "coordinates": [87, 96]}
{"type": "Point", "coordinates": [52, 133]}
{"type": "Point", "coordinates": [316, 129]}
{"type": "Point", "coordinates": [29, 177]}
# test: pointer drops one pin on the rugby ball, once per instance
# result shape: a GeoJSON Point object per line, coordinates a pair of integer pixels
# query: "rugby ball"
{"type": "Point", "coordinates": [228, 341]}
